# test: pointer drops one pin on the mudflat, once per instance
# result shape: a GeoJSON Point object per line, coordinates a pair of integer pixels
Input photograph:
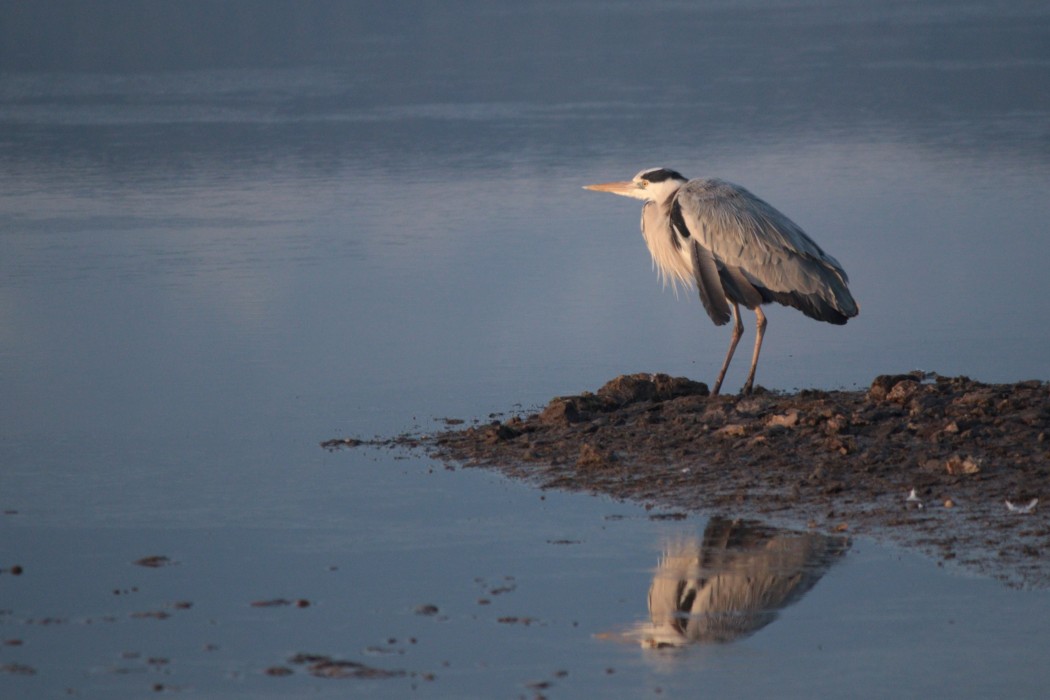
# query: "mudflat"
{"type": "Point", "coordinates": [948, 465]}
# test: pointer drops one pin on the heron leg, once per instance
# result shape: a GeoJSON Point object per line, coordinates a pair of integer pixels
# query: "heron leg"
{"type": "Point", "coordinates": [738, 330]}
{"type": "Point", "coordinates": [760, 330]}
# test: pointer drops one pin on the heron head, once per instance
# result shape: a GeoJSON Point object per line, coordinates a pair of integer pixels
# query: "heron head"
{"type": "Point", "coordinates": [652, 183]}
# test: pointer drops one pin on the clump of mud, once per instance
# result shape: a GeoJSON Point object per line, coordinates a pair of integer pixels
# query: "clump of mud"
{"type": "Point", "coordinates": [972, 456]}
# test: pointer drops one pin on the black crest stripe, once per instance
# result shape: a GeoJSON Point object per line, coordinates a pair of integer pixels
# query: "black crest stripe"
{"type": "Point", "coordinates": [661, 174]}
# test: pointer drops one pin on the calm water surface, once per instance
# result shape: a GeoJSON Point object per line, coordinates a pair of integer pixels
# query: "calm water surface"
{"type": "Point", "coordinates": [357, 221]}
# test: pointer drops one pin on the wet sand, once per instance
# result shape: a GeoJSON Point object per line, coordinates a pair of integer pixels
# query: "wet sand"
{"type": "Point", "coordinates": [976, 455]}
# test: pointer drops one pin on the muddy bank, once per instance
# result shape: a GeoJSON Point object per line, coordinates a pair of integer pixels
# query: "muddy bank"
{"type": "Point", "coordinates": [976, 455]}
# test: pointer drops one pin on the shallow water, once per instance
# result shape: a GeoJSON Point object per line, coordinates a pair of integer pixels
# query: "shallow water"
{"type": "Point", "coordinates": [214, 259]}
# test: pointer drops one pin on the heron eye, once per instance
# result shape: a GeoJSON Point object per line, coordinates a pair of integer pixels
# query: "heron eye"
{"type": "Point", "coordinates": [643, 183]}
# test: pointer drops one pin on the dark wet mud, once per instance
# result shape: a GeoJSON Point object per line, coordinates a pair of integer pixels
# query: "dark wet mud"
{"type": "Point", "coordinates": [974, 457]}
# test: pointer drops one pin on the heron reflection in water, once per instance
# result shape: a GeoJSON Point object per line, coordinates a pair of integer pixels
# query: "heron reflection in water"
{"type": "Point", "coordinates": [733, 582]}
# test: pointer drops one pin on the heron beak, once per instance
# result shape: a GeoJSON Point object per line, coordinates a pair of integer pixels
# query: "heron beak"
{"type": "Point", "coordinates": [622, 188]}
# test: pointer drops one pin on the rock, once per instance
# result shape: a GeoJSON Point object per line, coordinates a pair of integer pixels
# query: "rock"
{"type": "Point", "coordinates": [327, 667]}
{"type": "Point", "coordinates": [733, 430]}
{"type": "Point", "coordinates": [957, 464]}
{"type": "Point", "coordinates": [628, 388]}
{"type": "Point", "coordinates": [751, 406]}
{"type": "Point", "coordinates": [633, 388]}
{"type": "Point", "coordinates": [883, 383]}
{"type": "Point", "coordinates": [561, 411]}
{"type": "Point", "coordinates": [500, 432]}
{"type": "Point", "coordinates": [784, 420]}
{"type": "Point", "coordinates": [154, 562]}
{"type": "Point", "coordinates": [903, 391]}
{"type": "Point", "coordinates": [836, 424]}
{"type": "Point", "coordinates": [593, 458]}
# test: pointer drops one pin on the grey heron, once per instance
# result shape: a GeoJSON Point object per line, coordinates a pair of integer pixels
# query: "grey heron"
{"type": "Point", "coordinates": [736, 249]}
